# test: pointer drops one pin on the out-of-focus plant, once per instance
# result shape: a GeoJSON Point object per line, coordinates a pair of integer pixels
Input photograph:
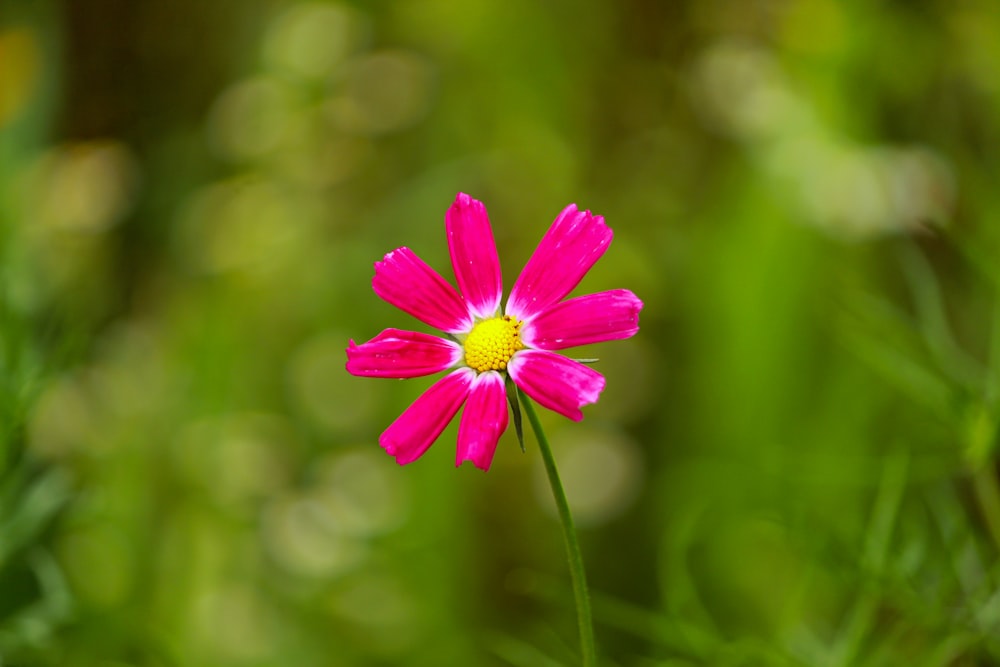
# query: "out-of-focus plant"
{"type": "Point", "coordinates": [35, 599]}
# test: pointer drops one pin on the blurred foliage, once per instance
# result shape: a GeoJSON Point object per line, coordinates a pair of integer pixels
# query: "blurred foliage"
{"type": "Point", "coordinates": [794, 462]}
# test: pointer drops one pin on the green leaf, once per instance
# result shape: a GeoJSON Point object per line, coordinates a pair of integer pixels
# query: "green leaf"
{"type": "Point", "coordinates": [515, 407]}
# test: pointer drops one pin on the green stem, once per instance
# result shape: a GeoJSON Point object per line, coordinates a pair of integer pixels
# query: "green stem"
{"type": "Point", "coordinates": [577, 574]}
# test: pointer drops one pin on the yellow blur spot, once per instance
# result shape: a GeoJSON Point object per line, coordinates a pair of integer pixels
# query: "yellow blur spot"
{"type": "Point", "coordinates": [19, 65]}
{"type": "Point", "coordinates": [85, 187]}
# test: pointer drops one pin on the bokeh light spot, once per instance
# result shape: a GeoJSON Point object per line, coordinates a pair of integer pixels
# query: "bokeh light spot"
{"type": "Point", "coordinates": [83, 187]}
{"type": "Point", "coordinates": [601, 472]}
{"type": "Point", "coordinates": [311, 39]}
{"type": "Point", "coordinates": [383, 92]}
{"type": "Point", "coordinates": [247, 632]}
{"type": "Point", "coordinates": [249, 119]}
{"type": "Point", "coordinates": [361, 494]}
{"type": "Point", "coordinates": [236, 458]}
{"type": "Point", "coordinates": [63, 421]}
{"type": "Point", "coordinates": [319, 385]}
{"type": "Point", "coordinates": [98, 563]}
{"type": "Point", "coordinates": [304, 538]}
{"type": "Point", "coordinates": [246, 224]}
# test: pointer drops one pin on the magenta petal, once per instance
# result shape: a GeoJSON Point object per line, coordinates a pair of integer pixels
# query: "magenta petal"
{"type": "Point", "coordinates": [558, 383]}
{"type": "Point", "coordinates": [573, 243]}
{"type": "Point", "coordinates": [395, 353]}
{"type": "Point", "coordinates": [407, 282]}
{"type": "Point", "coordinates": [483, 421]}
{"type": "Point", "coordinates": [474, 255]}
{"type": "Point", "coordinates": [593, 318]}
{"type": "Point", "coordinates": [419, 426]}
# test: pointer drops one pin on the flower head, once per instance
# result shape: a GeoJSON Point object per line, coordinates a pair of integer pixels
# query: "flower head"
{"type": "Point", "coordinates": [486, 344]}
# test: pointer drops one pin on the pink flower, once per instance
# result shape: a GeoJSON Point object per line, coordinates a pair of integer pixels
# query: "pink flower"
{"type": "Point", "coordinates": [486, 344]}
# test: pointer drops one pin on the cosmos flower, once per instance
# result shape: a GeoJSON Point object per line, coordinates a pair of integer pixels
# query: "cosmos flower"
{"type": "Point", "coordinates": [485, 343]}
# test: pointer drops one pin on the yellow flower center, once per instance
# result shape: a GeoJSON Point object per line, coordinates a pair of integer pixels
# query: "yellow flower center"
{"type": "Point", "coordinates": [491, 343]}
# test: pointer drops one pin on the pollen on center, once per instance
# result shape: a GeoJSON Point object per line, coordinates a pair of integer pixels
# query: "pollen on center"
{"type": "Point", "coordinates": [491, 343]}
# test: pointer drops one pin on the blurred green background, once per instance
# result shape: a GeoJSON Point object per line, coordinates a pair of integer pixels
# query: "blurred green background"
{"type": "Point", "coordinates": [793, 462]}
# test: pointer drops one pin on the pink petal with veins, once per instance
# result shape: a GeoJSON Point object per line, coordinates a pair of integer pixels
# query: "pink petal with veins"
{"type": "Point", "coordinates": [474, 255]}
{"type": "Point", "coordinates": [593, 318]}
{"type": "Point", "coordinates": [396, 353]}
{"type": "Point", "coordinates": [556, 382]}
{"type": "Point", "coordinates": [484, 420]}
{"type": "Point", "coordinates": [407, 282]}
{"type": "Point", "coordinates": [419, 426]}
{"type": "Point", "coordinates": [574, 242]}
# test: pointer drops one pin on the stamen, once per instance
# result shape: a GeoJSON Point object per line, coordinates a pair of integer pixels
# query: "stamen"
{"type": "Point", "coordinates": [491, 343]}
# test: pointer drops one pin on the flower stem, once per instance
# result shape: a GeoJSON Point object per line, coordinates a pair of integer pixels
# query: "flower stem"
{"type": "Point", "coordinates": [577, 574]}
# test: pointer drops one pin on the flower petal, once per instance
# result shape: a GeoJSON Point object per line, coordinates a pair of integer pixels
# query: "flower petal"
{"type": "Point", "coordinates": [573, 243]}
{"type": "Point", "coordinates": [407, 282]}
{"type": "Point", "coordinates": [395, 353]}
{"type": "Point", "coordinates": [419, 426]}
{"type": "Point", "coordinates": [593, 318]}
{"type": "Point", "coordinates": [484, 420]}
{"type": "Point", "coordinates": [474, 255]}
{"type": "Point", "coordinates": [558, 383]}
